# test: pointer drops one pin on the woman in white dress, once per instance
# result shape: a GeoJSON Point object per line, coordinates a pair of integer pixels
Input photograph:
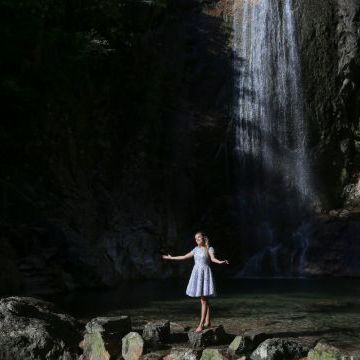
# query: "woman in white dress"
{"type": "Point", "coordinates": [201, 283]}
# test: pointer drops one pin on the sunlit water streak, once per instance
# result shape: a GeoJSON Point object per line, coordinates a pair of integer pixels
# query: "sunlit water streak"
{"type": "Point", "coordinates": [271, 135]}
{"type": "Point", "coordinates": [269, 107]}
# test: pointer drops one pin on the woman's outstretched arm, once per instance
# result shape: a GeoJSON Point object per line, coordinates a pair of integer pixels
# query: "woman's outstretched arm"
{"type": "Point", "coordinates": [215, 260]}
{"type": "Point", "coordinates": [182, 257]}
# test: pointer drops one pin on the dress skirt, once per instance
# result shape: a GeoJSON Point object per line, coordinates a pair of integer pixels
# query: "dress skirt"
{"type": "Point", "coordinates": [201, 282]}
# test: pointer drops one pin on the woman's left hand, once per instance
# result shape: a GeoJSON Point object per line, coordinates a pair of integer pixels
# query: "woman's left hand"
{"type": "Point", "coordinates": [225, 262]}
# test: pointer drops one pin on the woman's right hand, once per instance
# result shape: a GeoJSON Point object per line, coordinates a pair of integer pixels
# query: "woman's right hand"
{"type": "Point", "coordinates": [168, 256]}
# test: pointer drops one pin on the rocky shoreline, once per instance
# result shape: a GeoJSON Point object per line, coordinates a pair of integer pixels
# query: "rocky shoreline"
{"type": "Point", "coordinates": [35, 329]}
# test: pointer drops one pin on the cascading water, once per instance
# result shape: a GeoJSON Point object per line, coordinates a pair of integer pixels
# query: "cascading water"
{"type": "Point", "coordinates": [272, 167]}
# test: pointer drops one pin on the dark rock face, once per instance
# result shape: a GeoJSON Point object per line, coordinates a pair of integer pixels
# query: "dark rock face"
{"type": "Point", "coordinates": [334, 248]}
{"type": "Point", "coordinates": [131, 159]}
{"type": "Point", "coordinates": [329, 40]}
{"type": "Point", "coordinates": [122, 144]}
{"type": "Point", "coordinates": [34, 329]}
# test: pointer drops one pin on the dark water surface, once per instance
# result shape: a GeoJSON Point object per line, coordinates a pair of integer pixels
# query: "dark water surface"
{"type": "Point", "coordinates": [144, 294]}
{"type": "Point", "coordinates": [306, 309]}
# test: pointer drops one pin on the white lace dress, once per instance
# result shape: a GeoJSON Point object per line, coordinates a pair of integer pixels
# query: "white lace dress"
{"type": "Point", "coordinates": [201, 282]}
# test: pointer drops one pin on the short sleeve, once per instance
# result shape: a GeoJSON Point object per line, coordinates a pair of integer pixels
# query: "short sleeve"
{"type": "Point", "coordinates": [193, 250]}
{"type": "Point", "coordinates": [211, 250]}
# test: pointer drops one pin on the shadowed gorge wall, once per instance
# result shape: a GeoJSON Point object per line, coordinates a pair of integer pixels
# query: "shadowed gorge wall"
{"type": "Point", "coordinates": [329, 40]}
{"type": "Point", "coordinates": [117, 140]}
{"type": "Point", "coordinates": [116, 120]}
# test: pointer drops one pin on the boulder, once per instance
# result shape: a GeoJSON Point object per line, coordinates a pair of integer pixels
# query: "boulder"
{"type": "Point", "coordinates": [247, 342]}
{"type": "Point", "coordinates": [110, 325]}
{"type": "Point", "coordinates": [132, 346]}
{"type": "Point", "coordinates": [323, 351]}
{"type": "Point", "coordinates": [103, 337]}
{"type": "Point", "coordinates": [212, 336]}
{"type": "Point", "coordinates": [35, 329]}
{"type": "Point", "coordinates": [279, 349]}
{"type": "Point", "coordinates": [177, 328]}
{"type": "Point", "coordinates": [178, 333]}
{"type": "Point", "coordinates": [152, 356]}
{"type": "Point", "coordinates": [183, 354]}
{"type": "Point", "coordinates": [157, 332]}
{"type": "Point", "coordinates": [94, 348]}
{"type": "Point", "coordinates": [213, 354]}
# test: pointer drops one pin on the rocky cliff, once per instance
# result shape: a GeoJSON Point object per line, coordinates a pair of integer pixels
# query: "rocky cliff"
{"type": "Point", "coordinates": [117, 138]}
{"type": "Point", "coordinates": [329, 39]}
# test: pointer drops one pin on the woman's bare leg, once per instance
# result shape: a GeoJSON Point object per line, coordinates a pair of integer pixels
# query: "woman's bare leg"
{"type": "Point", "coordinates": [207, 318]}
{"type": "Point", "coordinates": [204, 301]}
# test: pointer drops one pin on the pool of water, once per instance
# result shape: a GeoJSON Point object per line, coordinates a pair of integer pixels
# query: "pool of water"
{"type": "Point", "coordinates": [308, 309]}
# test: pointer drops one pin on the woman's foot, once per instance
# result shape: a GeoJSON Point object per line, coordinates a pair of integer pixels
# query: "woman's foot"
{"type": "Point", "coordinates": [207, 325]}
{"type": "Point", "coordinates": [200, 328]}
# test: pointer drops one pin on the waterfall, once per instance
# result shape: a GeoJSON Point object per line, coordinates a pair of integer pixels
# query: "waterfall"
{"type": "Point", "coordinates": [270, 132]}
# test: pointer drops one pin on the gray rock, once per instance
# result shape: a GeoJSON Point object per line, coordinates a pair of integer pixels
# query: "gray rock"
{"type": "Point", "coordinates": [352, 194]}
{"type": "Point", "coordinates": [156, 332]}
{"type": "Point", "coordinates": [132, 346]}
{"type": "Point", "coordinates": [183, 354]}
{"type": "Point", "coordinates": [213, 354]}
{"type": "Point", "coordinates": [111, 325]}
{"type": "Point", "coordinates": [247, 342]}
{"type": "Point", "coordinates": [35, 329]}
{"type": "Point", "coordinates": [330, 93]}
{"type": "Point", "coordinates": [323, 351]}
{"type": "Point", "coordinates": [212, 336]}
{"type": "Point", "coordinates": [103, 337]}
{"type": "Point", "coordinates": [152, 356]}
{"type": "Point", "coordinates": [176, 328]}
{"type": "Point", "coordinates": [279, 349]}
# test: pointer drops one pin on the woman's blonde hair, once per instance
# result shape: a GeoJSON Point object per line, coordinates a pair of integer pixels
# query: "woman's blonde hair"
{"type": "Point", "coordinates": [206, 240]}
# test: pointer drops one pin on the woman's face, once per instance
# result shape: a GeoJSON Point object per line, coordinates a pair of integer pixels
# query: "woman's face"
{"type": "Point", "coordinates": [199, 239]}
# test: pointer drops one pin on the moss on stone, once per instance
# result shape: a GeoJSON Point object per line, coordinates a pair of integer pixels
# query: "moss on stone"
{"type": "Point", "coordinates": [211, 354]}
{"type": "Point", "coordinates": [324, 352]}
{"type": "Point", "coordinates": [94, 347]}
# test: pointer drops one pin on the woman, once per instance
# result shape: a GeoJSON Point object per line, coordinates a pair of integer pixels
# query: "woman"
{"type": "Point", "coordinates": [201, 283]}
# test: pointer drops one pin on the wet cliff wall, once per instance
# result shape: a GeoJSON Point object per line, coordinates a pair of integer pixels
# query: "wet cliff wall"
{"type": "Point", "coordinates": [117, 141]}
{"type": "Point", "coordinates": [114, 138]}
{"type": "Point", "coordinates": [329, 39]}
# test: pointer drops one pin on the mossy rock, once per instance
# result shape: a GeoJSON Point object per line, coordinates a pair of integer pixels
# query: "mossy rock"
{"type": "Point", "coordinates": [183, 354]}
{"type": "Point", "coordinates": [132, 346]}
{"type": "Point", "coordinates": [324, 351]}
{"type": "Point", "coordinates": [103, 337]}
{"type": "Point", "coordinates": [212, 354]}
{"type": "Point", "coordinates": [247, 342]}
{"type": "Point", "coordinates": [212, 336]}
{"type": "Point", "coordinates": [279, 349]}
{"type": "Point", "coordinates": [156, 332]}
{"type": "Point", "coordinates": [94, 347]}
